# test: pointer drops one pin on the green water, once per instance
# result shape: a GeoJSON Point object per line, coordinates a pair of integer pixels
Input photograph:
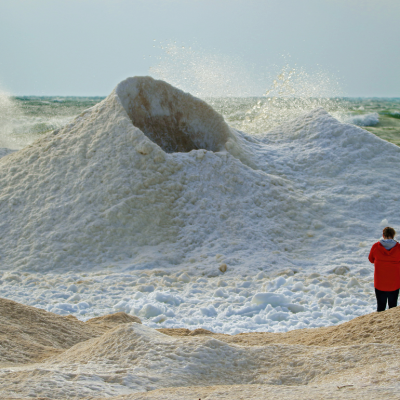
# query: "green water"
{"type": "Point", "coordinates": [24, 119]}
{"type": "Point", "coordinates": [388, 127]}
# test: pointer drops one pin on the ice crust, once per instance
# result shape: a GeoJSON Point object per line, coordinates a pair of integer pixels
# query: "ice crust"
{"type": "Point", "coordinates": [91, 212]}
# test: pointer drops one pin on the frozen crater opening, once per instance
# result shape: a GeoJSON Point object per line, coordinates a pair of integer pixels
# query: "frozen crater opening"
{"type": "Point", "coordinates": [174, 120]}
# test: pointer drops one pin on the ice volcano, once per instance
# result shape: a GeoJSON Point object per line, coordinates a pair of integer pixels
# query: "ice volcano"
{"type": "Point", "coordinates": [152, 177]}
{"type": "Point", "coordinates": [176, 121]}
{"type": "Point", "coordinates": [112, 182]}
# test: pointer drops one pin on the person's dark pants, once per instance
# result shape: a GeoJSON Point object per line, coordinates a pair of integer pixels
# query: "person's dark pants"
{"type": "Point", "coordinates": [383, 297]}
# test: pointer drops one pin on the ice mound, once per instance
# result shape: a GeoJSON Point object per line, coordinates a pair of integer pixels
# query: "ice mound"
{"type": "Point", "coordinates": [134, 358]}
{"type": "Point", "coordinates": [101, 193]}
{"type": "Point", "coordinates": [99, 190]}
{"type": "Point", "coordinates": [29, 334]}
{"type": "Point", "coordinates": [176, 121]}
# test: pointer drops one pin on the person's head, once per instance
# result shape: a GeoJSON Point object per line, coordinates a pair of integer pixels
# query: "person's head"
{"type": "Point", "coordinates": [388, 233]}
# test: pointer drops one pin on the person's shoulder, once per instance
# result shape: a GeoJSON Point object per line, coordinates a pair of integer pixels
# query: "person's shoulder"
{"type": "Point", "coordinates": [375, 245]}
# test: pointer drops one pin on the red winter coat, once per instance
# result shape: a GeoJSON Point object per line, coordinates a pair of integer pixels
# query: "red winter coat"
{"type": "Point", "coordinates": [387, 267]}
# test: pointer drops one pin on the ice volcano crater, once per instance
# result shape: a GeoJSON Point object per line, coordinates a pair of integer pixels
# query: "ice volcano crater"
{"type": "Point", "coordinates": [174, 120]}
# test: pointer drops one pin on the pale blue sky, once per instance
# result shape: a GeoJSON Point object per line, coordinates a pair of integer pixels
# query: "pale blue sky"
{"type": "Point", "coordinates": [85, 47]}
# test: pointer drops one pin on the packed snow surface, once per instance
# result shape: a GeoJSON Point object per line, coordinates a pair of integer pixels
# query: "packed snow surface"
{"type": "Point", "coordinates": [142, 201]}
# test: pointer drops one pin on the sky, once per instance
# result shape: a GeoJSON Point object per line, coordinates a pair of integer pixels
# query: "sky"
{"type": "Point", "coordinates": [85, 47]}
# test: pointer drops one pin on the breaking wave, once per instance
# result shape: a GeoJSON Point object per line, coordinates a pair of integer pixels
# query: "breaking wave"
{"type": "Point", "coordinates": [371, 119]}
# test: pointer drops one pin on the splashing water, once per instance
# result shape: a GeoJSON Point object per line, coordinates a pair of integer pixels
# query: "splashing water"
{"type": "Point", "coordinates": [25, 119]}
{"type": "Point", "coordinates": [9, 113]}
{"type": "Point", "coordinates": [204, 74]}
{"type": "Point", "coordinates": [229, 86]}
{"type": "Point", "coordinates": [293, 92]}
{"type": "Point", "coordinates": [19, 126]}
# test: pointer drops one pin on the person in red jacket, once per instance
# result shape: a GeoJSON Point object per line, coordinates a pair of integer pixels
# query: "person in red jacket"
{"type": "Point", "coordinates": [385, 255]}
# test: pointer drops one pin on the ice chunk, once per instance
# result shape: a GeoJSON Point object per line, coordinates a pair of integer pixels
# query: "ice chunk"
{"type": "Point", "coordinates": [184, 278]}
{"type": "Point", "coordinates": [122, 306]}
{"type": "Point", "coordinates": [149, 311]}
{"type": "Point", "coordinates": [168, 298]}
{"type": "Point", "coordinates": [245, 284]}
{"type": "Point", "coordinates": [209, 311]}
{"type": "Point", "coordinates": [274, 299]}
{"type": "Point", "coordinates": [83, 305]}
{"type": "Point", "coordinates": [295, 308]}
{"type": "Point", "coordinates": [353, 282]}
{"type": "Point", "coordinates": [278, 316]}
{"type": "Point", "coordinates": [279, 282]}
{"type": "Point", "coordinates": [72, 288]}
{"type": "Point", "coordinates": [364, 271]}
{"type": "Point", "coordinates": [261, 275]}
{"type": "Point", "coordinates": [341, 270]}
{"type": "Point", "coordinates": [220, 293]}
{"type": "Point", "coordinates": [146, 288]}
{"type": "Point", "coordinates": [298, 286]}
{"type": "Point", "coordinates": [11, 277]}
{"type": "Point", "coordinates": [74, 297]}
{"type": "Point", "coordinates": [70, 308]}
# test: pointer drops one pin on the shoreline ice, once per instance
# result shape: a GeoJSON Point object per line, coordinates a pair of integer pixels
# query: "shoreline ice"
{"type": "Point", "coordinates": [115, 356]}
{"type": "Point", "coordinates": [229, 303]}
{"type": "Point", "coordinates": [99, 201]}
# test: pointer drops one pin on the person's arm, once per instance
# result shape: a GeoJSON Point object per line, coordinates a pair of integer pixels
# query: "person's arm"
{"type": "Point", "coordinates": [371, 257]}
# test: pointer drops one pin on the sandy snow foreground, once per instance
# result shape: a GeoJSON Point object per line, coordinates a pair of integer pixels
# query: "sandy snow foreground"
{"type": "Point", "coordinates": [45, 355]}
